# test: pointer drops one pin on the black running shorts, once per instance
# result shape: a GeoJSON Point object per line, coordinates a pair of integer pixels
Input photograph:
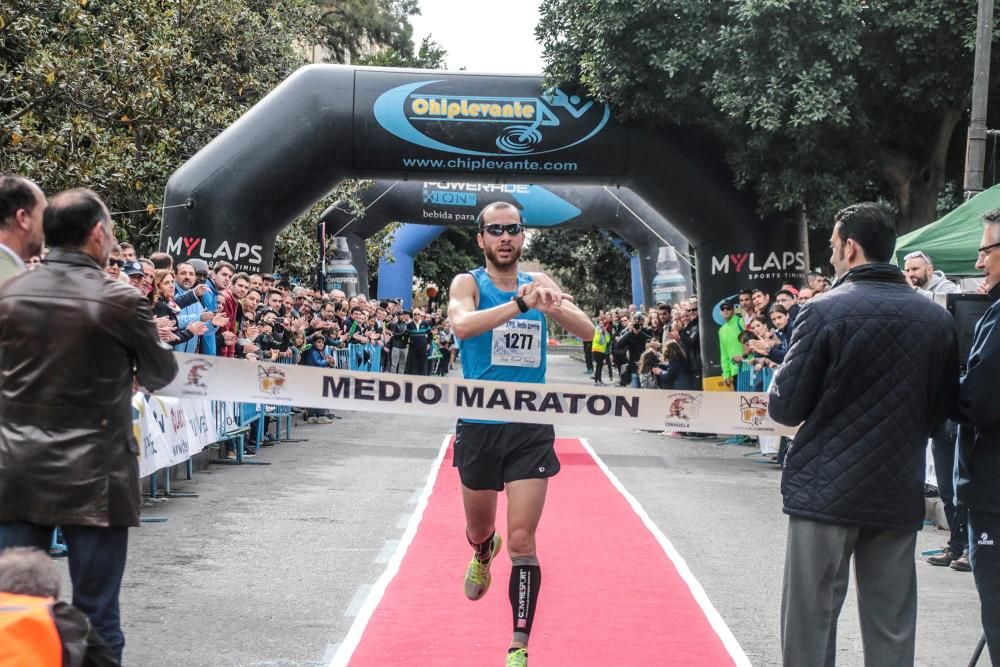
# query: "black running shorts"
{"type": "Point", "coordinates": [490, 455]}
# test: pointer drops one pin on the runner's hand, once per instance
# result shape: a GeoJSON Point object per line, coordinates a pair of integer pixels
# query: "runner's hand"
{"type": "Point", "coordinates": [548, 300]}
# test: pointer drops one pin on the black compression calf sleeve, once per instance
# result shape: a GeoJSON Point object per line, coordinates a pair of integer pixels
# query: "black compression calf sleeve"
{"type": "Point", "coordinates": [483, 549]}
{"type": "Point", "coordinates": [525, 580]}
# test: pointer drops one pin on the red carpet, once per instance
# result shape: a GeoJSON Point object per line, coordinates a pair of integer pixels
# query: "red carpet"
{"type": "Point", "coordinates": [610, 594]}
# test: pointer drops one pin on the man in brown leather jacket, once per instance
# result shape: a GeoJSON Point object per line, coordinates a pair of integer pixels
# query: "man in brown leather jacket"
{"type": "Point", "coordinates": [71, 343]}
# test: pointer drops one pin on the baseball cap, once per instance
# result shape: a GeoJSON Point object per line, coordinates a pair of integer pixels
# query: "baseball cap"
{"type": "Point", "coordinates": [133, 268]}
{"type": "Point", "coordinates": [199, 265]}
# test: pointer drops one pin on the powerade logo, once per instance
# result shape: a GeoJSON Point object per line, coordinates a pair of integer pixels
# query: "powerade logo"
{"type": "Point", "coordinates": [488, 126]}
{"type": "Point", "coordinates": [464, 194]}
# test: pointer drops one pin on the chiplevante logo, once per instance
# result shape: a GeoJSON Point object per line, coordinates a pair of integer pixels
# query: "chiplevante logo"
{"type": "Point", "coordinates": [488, 125]}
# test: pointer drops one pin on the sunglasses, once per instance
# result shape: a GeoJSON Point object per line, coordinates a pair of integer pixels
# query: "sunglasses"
{"type": "Point", "coordinates": [725, 307]}
{"type": "Point", "coordinates": [498, 230]}
{"type": "Point", "coordinates": [116, 262]}
{"type": "Point", "coordinates": [917, 255]}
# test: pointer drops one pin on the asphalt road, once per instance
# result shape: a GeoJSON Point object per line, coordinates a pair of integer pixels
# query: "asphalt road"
{"type": "Point", "coordinates": [270, 564]}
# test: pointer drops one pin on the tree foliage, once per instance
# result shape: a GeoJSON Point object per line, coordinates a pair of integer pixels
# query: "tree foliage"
{"type": "Point", "coordinates": [587, 264]}
{"type": "Point", "coordinates": [429, 55]}
{"type": "Point", "coordinates": [115, 95]}
{"type": "Point", "coordinates": [352, 28]}
{"type": "Point", "coordinates": [818, 103]}
{"type": "Point", "coordinates": [454, 252]}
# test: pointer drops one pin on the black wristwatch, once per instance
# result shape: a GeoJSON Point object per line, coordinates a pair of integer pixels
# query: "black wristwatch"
{"type": "Point", "coordinates": [521, 305]}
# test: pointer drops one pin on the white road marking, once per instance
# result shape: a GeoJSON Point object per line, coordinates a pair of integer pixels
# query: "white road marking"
{"type": "Point", "coordinates": [353, 637]}
{"type": "Point", "coordinates": [388, 549]}
{"type": "Point", "coordinates": [358, 600]}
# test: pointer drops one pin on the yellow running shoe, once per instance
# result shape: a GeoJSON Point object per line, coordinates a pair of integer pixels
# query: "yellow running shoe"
{"type": "Point", "coordinates": [477, 577]}
{"type": "Point", "coordinates": [518, 658]}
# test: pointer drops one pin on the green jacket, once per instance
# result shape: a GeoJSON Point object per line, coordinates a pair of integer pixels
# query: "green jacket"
{"type": "Point", "coordinates": [730, 346]}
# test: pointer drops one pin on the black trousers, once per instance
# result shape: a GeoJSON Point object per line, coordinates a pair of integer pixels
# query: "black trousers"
{"type": "Point", "coordinates": [943, 451]}
{"type": "Point", "coordinates": [96, 565]}
{"type": "Point", "coordinates": [588, 356]}
{"type": "Point", "coordinates": [416, 361]}
{"type": "Point", "coordinates": [984, 554]}
{"type": "Point", "coordinates": [600, 359]}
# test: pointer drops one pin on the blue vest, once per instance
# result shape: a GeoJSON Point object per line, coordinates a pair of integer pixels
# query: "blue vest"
{"type": "Point", "coordinates": [501, 354]}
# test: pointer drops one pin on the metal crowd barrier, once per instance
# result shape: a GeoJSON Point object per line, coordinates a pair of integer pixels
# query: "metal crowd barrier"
{"type": "Point", "coordinates": [752, 379]}
{"type": "Point", "coordinates": [367, 357]}
{"type": "Point", "coordinates": [281, 414]}
{"type": "Point", "coordinates": [359, 357]}
{"type": "Point", "coordinates": [233, 422]}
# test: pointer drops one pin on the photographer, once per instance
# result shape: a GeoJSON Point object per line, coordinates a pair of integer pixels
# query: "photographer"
{"type": "Point", "coordinates": [631, 345]}
{"type": "Point", "coordinates": [401, 329]}
{"type": "Point", "coordinates": [273, 338]}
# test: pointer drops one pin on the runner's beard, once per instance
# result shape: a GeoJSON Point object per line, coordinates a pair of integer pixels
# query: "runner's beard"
{"type": "Point", "coordinates": [491, 255]}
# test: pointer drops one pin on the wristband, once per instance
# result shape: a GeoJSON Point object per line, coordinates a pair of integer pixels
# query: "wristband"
{"type": "Point", "coordinates": [521, 305]}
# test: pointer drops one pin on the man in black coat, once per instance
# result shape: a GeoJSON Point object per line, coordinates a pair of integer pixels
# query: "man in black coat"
{"type": "Point", "coordinates": [872, 369]}
{"type": "Point", "coordinates": [978, 487]}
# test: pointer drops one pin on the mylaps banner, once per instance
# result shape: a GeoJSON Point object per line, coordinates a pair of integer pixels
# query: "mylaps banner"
{"type": "Point", "coordinates": [217, 378]}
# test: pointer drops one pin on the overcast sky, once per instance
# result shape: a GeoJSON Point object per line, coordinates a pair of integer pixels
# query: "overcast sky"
{"type": "Point", "coordinates": [481, 35]}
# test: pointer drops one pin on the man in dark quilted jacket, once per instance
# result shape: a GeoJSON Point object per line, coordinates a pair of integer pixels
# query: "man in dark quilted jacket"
{"type": "Point", "coordinates": [872, 368]}
{"type": "Point", "coordinates": [978, 464]}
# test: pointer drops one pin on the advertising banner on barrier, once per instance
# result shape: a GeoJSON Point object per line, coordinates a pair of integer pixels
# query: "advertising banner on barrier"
{"type": "Point", "coordinates": [218, 378]}
{"type": "Point", "coordinates": [170, 430]}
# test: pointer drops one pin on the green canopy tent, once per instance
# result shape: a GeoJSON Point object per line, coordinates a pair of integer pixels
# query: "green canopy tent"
{"type": "Point", "coordinates": [952, 241]}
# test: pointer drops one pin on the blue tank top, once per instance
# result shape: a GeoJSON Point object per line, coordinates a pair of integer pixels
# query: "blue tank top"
{"type": "Point", "coordinates": [514, 351]}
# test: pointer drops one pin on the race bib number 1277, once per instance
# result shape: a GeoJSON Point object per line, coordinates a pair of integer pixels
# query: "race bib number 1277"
{"type": "Point", "coordinates": [518, 343]}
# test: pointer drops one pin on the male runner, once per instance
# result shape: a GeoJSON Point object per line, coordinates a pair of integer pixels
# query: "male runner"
{"type": "Point", "coordinates": [499, 314]}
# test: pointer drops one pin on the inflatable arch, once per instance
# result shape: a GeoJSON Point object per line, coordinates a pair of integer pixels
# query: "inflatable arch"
{"type": "Point", "coordinates": [327, 123]}
{"type": "Point", "coordinates": [426, 208]}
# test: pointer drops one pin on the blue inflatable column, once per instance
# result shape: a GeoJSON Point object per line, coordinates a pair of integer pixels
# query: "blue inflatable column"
{"type": "Point", "coordinates": [637, 296]}
{"type": "Point", "coordinates": [395, 279]}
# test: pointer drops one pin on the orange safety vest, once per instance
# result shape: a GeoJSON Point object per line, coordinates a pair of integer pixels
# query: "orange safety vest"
{"type": "Point", "coordinates": [28, 634]}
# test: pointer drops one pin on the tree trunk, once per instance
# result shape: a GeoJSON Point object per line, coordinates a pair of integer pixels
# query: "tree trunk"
{"type": "Point", "coordinates": [917, 183]}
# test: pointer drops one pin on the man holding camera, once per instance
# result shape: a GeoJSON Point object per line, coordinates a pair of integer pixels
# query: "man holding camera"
{"type": "Point", "coordinates": [402, 328]}
{"type": "Point", "coordinates": [631, 344]}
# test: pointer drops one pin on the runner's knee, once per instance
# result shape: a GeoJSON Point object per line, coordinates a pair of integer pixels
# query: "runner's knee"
{"type": "Point", "coordinates": [521, 543]}
{"type": "Point", "coordinates": [479, 534]}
